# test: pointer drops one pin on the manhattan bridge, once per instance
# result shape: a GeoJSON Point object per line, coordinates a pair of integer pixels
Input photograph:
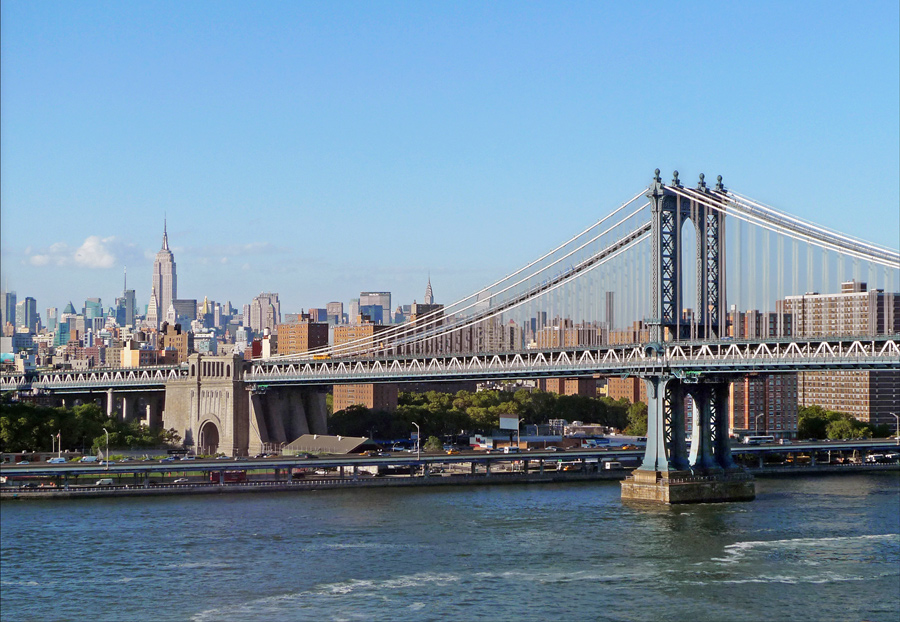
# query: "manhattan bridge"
{"type": "Point", "coordinates": [679, 263]}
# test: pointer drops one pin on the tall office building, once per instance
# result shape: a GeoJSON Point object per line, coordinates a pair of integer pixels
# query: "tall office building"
{"type": "Point", "coordinates": [27, 315]}
{"type": "Point", "coordinates": [335, 312]}
{"type": "Point", "coordinates": [93, 307]}
{"type": "Point", "coordinates": [8, 309]}
{"type": "Point", "coordinates": [52, 318]}
{"type": "Point", "coordinates": [165, 281]}
{"type": "Point", "coordinates": [265, 312]}
{"type": "Point", "coordinates": [429, 295]}
{"type": "Point", "coordinates": [381, 299]}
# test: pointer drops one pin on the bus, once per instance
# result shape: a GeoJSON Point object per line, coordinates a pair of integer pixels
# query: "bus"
{"type": "Point", "coordinates": [758, 440]}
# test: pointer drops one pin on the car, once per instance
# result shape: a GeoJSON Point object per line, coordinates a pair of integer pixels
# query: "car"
{"type": "Point", "coordinates": [56, 461]}
{"type": "Point", "coordinates": [126, 460]}
{"type": "Point", "coordinates": [21, 462]}
{"type": "Point", "coordinates": [222, 458]}
{"type": "Point", "coordinates": [29, 485]}
{"type": "Point", "coordinates": [452, 452]}
{"type": "Point", "coordinates": [189, 458]}
{"type": "Point", "coordinates": [554, 448]}
{"type": "Point", "coordinates": [169, 459]}
{"type": "Point", "coordinates": [181, 480]}
{"type": "Point", "coordinates": [370, 454]}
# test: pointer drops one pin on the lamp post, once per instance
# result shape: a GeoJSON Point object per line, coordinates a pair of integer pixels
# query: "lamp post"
{"type": "Point", "coordinates": [52, 443]}
{"type": "Point", "coordinates": [107, 449]}
{"type": "Point", "coordinates": [756, 424]}
{"type": "Point", "coordinates": [897, 433]}
{"type": "Point", "coordinates": [418, 441]}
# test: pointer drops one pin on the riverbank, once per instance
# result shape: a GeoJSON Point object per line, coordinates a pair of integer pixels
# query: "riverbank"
{"type": "Point", "coordinates": [397, 481]}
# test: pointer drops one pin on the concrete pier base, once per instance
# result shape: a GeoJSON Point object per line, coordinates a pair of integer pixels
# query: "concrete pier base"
{"type": "Point", "coordinates": [685, 487]}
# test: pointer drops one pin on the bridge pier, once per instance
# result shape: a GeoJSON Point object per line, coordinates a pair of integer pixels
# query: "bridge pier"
{"type": "Point", "coordinates": [667, 475]}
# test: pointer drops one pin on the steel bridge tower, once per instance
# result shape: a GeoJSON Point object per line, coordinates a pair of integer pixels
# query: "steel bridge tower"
{"type": "Point", "coordinates": [668, 473]}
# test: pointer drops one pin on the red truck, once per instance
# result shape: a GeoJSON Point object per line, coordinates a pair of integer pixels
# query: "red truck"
{"type": "Point", "coordinates": [231, 477]}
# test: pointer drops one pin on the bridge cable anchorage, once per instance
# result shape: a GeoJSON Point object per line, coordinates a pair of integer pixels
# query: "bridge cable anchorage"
{"type": "Point", "coordinates": [436, 317]}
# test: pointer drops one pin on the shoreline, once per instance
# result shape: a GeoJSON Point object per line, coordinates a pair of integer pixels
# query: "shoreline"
{"type": "Point", "coordinates": [397, 482]}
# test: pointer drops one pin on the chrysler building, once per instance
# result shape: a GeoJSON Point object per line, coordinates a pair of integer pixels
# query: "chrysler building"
{"type": "Point", "coordinates": [165, 284]}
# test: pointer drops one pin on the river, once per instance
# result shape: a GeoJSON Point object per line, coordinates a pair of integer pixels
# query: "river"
{"type": "Point", "coordinates": [808, 548]}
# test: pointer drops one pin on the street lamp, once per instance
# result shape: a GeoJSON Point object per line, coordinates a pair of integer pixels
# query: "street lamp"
{"type": "Point", "coordinates": [107, 449]}
{"type": "Point", "coordinates": [52, 443]}
{"type": "Point", "coordinates": [897, 433]}
{"type": "Point", "coordinates": [418, 440]}
{"type": "Point", "coordinates": [756, 424]}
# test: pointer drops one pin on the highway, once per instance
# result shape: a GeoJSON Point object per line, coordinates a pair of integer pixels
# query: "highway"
{"type": "Point", "coordinates": [148, 468]}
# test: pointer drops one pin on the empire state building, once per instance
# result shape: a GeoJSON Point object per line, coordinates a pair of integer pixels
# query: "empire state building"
{"type": "Point", "coordinates": [165, 283]}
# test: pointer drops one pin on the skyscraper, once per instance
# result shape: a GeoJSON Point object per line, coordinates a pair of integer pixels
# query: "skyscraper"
{"type": "Point", "coordinates": [8, 309]}
{"type": "Point", "coordinates": [165, 282]}
{"type": "Point", "coordinates": [265, 312]}
{"type": "Point", "coordinates": [26, 314]}
{"type": "Point", "coordinates": [429, 295]}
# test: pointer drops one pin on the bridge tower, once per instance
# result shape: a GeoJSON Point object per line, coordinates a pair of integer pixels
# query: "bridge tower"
{"type": "Point", "coordinates": [670, 211]}
{"type": "Point", "coordinates": [669, 473]}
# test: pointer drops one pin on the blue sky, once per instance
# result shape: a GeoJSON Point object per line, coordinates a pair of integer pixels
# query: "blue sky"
{"type": "Point", "coordinates": [322, 149]}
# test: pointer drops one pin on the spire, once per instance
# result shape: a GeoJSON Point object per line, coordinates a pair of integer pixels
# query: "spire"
{"type": "Point", "coordinates": [125, 281]}
{"type": "Point", "coordinates": [165, 236]}
{"type": "Point", "coordinates": [429, 295]}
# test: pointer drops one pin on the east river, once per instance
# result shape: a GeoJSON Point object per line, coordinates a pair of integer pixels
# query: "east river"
{"type": "Point", "coordinates": [809, 548]}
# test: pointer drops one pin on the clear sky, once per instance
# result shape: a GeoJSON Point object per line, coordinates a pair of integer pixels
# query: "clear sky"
{"type": "Point", "coordinates": [320, 149]}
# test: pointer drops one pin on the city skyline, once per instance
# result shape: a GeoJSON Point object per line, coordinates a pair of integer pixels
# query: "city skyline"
{"type": "Point", "coordinates": [401, 141]}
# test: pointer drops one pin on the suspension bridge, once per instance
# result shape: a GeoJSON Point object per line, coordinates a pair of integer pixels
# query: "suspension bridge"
{"type": "Point", "coordinates": [655, 289]}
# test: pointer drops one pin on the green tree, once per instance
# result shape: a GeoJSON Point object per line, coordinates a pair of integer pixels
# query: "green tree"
{"type": "Point", "coordinates": [637, 419]}
{"type": "Point", "coordinates": [433, 444]}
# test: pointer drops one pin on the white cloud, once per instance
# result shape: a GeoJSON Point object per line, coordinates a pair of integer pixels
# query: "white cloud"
{"type": "Point", "coordinates": [94, 252]}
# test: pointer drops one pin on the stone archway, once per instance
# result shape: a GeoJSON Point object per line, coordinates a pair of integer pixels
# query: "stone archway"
{"type": "Point", "coordinates": [209, 439]}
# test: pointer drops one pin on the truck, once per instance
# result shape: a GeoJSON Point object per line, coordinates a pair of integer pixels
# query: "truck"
{"type": "Point", "coordinates": [231, 477]}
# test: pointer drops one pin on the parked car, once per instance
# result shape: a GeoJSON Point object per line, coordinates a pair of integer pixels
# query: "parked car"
{"type": "Point", "coordinates": [181, 480]}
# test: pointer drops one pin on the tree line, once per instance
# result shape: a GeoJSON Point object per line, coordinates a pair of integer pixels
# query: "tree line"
{"type": "Point", "coordinates": [816, 422]}
{"type": "Point", "coordinates": [29, 427]}
{"type": "Point", "coordinates": [445, 414]}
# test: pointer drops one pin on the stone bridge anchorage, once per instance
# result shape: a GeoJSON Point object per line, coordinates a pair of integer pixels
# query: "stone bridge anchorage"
{"type": "Point", "coordinates": [216, 411]}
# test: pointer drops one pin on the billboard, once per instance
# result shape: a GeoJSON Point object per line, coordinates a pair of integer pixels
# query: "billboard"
{"type": "Point", "coordinates": [509, 423]}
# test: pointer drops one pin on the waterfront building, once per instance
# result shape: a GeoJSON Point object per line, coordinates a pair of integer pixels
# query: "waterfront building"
{"type": "Point", "coordinates": [765, 404]}
{"type": "Point", "coordinates": [870, 396]}
{"type": "Point", "coordinates": [303, 336]}
{"type": "Point", "coordinates": [376, 397]}
{"type": "Point", "coordinates": [586, 387]}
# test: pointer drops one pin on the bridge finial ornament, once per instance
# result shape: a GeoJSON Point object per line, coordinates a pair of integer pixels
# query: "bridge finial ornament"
{"type": "Point", "coordinates": [656, 177]}
{"type": "Point", "coordinates": [702, 184]}
{"type": "Point", "coordinates": [675, 181]}
{"type": "Point", "coordinates": [719, 186]}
